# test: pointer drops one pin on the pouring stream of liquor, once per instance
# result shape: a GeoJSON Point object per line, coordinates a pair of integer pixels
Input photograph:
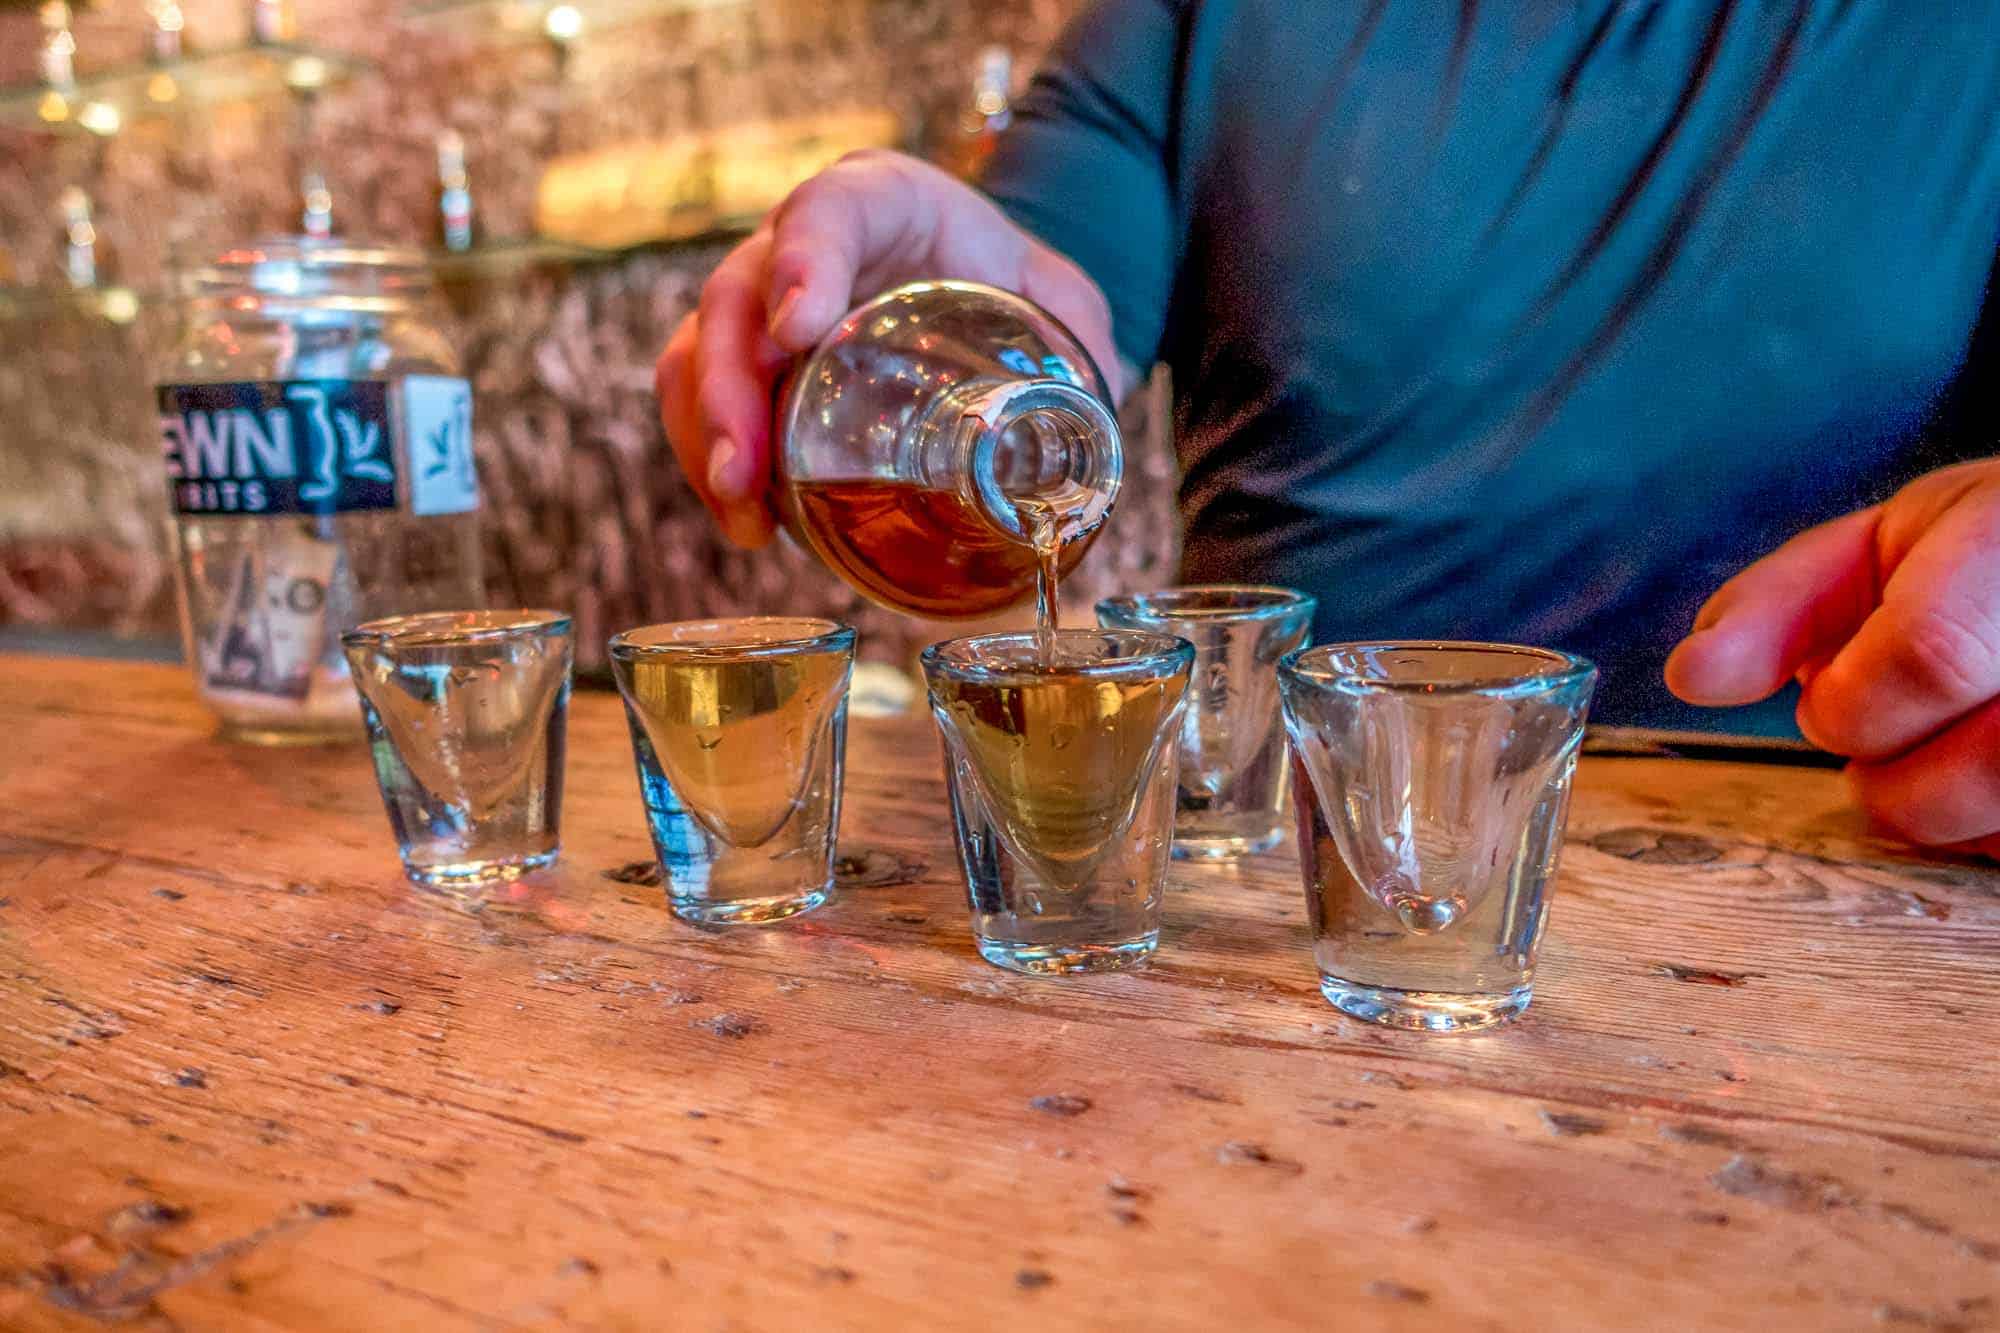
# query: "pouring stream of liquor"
{"type": "Point", "coordinates": [1040, 521]}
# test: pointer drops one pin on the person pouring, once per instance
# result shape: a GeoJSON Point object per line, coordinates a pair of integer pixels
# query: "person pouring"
{"type": "Point", "coordinates": [1658, 332]}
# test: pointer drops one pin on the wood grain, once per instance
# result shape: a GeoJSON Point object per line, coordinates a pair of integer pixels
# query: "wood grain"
{"type": "Point", "coordinates": [249, 1079]}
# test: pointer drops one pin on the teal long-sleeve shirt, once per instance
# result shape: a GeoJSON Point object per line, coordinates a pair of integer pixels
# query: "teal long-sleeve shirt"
{"type": "Point", "coordinates": [1536, 320]}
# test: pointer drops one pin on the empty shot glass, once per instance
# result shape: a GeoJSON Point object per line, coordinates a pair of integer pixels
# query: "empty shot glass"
{"type": "Point", "coordinates": [465, 713]}
{"type": "Point", "coordinates": [1061, 774]}
{"type": "Point", "coordinates": [1433, 783]}
{"type": "Point", "coordinates": [739, 729]}
{"type": "Point", "coordinates": [1233, 771]}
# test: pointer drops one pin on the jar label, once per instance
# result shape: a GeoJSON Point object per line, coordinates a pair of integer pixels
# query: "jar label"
{"type": "Point", "coordinates": [278, 446]}
{"type": "Point", "coordinates": [270, 630]}
{"type": "Point", "coordinates": [437, 420]}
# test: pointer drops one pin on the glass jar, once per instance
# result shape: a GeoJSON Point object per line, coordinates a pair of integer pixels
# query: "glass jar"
{"type": "Point", "coordinates": [317, 437]}
{"type": "Point", "coordinates": [939, 435]}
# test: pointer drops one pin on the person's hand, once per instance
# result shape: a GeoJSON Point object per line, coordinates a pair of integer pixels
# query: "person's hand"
{"type": "Point", "coordinates": [1890, 620]}
{"type": "Point", "coordinates": [872, 221]}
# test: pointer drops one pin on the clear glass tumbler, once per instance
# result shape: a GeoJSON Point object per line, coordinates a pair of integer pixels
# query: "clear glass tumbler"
{"type": "Point", "coordinates": [1061, 774]}
{"type": "Point", "coordinates": [465, 714]}
{"type": "Point", "coordinates": [1233, 771]}
{"type": "Point", "coordinates": [1433, 782]}
{"type": "Point", "coordinates": [739, 729]}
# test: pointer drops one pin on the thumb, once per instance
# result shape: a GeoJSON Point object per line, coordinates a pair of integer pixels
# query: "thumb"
{"type": "Point", "coordinates": [1794, 607]}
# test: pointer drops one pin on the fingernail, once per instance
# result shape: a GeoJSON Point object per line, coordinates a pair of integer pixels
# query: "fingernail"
{"type": "Point", "coordinates": [1689, 644]}
{"type": "Point", "coordinates": [1696, 635]}
{"type": "Point", "coordinates": [783, 310]}
{"type": "Point", "coordinates": [1802, 719]}
{"type": "Point", "coordinates": [722, 481]}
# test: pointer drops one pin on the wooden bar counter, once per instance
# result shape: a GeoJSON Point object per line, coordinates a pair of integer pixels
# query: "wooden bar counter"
{"type": "Point", "coordinates": [250, 1079]}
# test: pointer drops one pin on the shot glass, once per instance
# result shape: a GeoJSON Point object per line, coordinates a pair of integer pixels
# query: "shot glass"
{"type": "Point", "coordinates": [1060, 766]}
{"type": "Point", "coordinates": [739, 729]}
{"type": "Point", "coordinates": [1433, 782]}
{"type": "Point", "coordinates": [1233, 771]}
{"type": "Point", "coordinates": [465, 713]}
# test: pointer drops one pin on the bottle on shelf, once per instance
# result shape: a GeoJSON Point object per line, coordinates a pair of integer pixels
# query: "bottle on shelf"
{"type": "Point", "coordinates": [272, 22]}
{"type": "Point", "coordinates": [163, 38]}
{"type": "Point", "coordinates": [454, 193]}
{"type": "Point", "coordinates": [79, 239]}
{"type": "Point", "coordinates": [57, 58]}
{"type": "Point", "coordinates": [316, 219]}
{"type": "Point", "coordinates": [943, 442]}
{"type": "Point", "coordinates": [964, 135]}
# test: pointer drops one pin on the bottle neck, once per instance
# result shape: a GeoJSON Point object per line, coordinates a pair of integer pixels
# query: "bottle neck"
{"type": "Point", "coordinates": [1020, 449]}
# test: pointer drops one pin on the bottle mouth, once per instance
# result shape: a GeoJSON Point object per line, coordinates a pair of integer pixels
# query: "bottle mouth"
{"type": "Point", "coordinates": [1045, 456]}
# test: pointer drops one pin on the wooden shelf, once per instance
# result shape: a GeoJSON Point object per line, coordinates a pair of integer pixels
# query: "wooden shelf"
{"type": "Point", "coordinates": [528, 20]}
{"type": "Point", "coordinates": [499, 257]}
{"type": "Point", "coordinates": [113, 304]}
{"type": "Point", "coordinates": [105, 102]}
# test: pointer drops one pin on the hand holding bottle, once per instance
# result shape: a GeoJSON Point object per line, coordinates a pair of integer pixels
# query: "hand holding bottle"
{"type": "Point", "coordinates": [871, 221]}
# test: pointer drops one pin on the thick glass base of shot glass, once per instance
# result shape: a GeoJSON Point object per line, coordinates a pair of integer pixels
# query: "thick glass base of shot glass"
{"type": "Point", "coordinates": [739, 730]}
{"type": "Point", "coordinates": [282, 739]}
{"type": "Point", "coordinates": [1044, 960]}
{"type": "Point", "coordinates": [1224, 839]}
{"type": "Point", "coordinates": [748, 911]}
{"type": "Point", "coordinates": [1426, 1011]}
{"type": "Point", "coordinates": [1027, 918]}
{"type": "Point", "coordinates": [1107, 920]}
{"type": "Point", "coordinates": [709, 882]}
{"type": "Point", "coordinates": [458, 875]}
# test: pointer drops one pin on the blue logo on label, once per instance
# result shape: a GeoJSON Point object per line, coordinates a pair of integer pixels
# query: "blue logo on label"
{"type": "Point", "coordinates": [1018, 361]}
{"type": "Point", "coordinates": [1051, 366]}
{"type": "Point", "coordinates": [278, 447]}
{"type": "Point", "coordinates": [437, 417]}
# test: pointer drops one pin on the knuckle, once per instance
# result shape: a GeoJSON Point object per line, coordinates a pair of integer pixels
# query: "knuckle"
{"type": "Point", "coordinates": [866, 157]}
{"type": "Point", "coordinates": [789, 258]}
{"type": "Point", "coordinates": [722, 285]}
{"type": "Point", "coordinates": [812, 192]}
{"type": "Point", "coordinates": [713, 398]}
{"type": "Point", "coordinates": [1950, 652]}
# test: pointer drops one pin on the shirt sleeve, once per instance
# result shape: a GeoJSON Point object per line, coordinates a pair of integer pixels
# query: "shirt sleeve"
{"type": "Point", "coordinates": [1085, 165]}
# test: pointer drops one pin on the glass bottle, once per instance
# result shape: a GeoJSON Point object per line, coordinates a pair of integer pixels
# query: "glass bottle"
{"type": "Point", "coordinates": [79, 238]}
{"type": "Point", "coordinates": [272, 22]}
{"type": "Point", "coordinates": [966, 132]}
{"type": "Point", "coordinates": [928, 440]}
{"type": "Point", "coordinates": [317, 438]}
{"type": "Point", "coordinates": [316, 205]}
{"type": "Point", "coordinates": [454, 193]}
{"type": "Point", "coordinates": [57, 56]}
{"type": "Point", "coordinates": [163, 39]}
